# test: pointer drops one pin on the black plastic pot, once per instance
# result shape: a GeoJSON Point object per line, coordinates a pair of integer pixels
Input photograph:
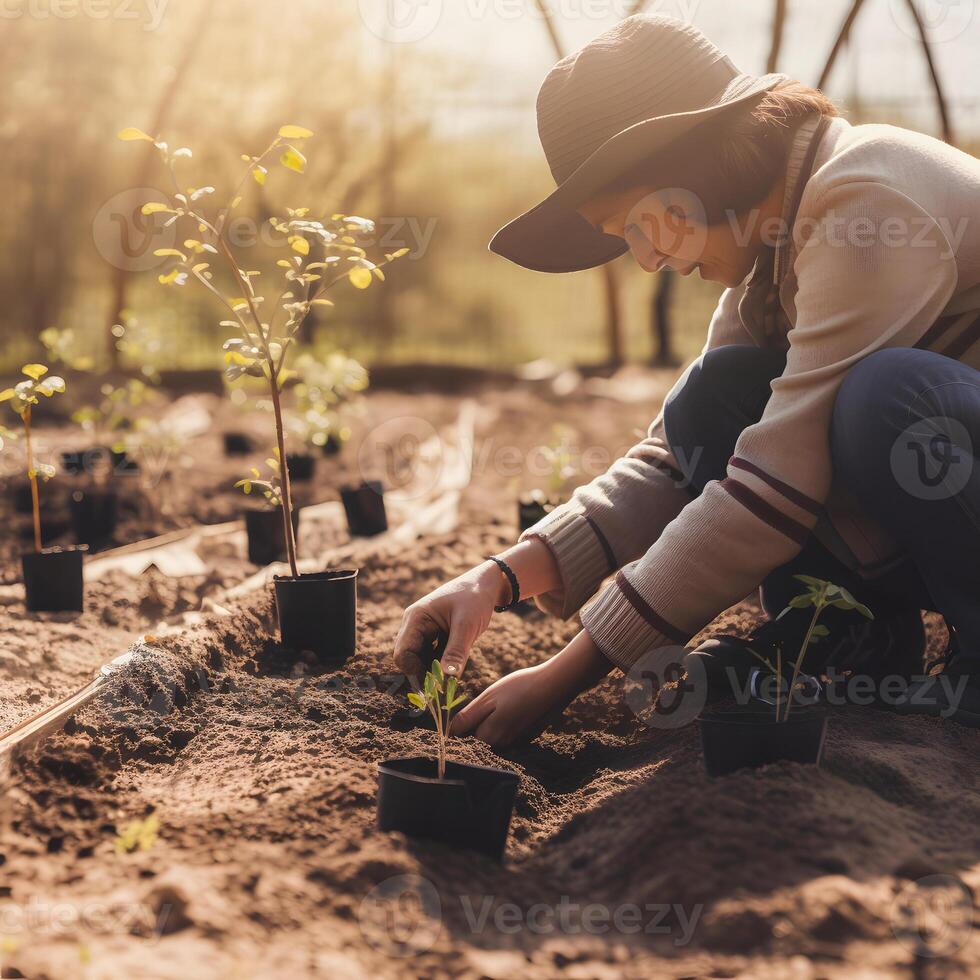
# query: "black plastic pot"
{"type": "Point", "coordinates": [302, 466]}
{"type": "Point", "coordinates": [470, 808]}
{"type": "Point", "coordinates": [332, 446]}
{"type": "Point", "coordinates": [237, 444]}
{"type": "Point", "coordinates": [365, 508]}
{"type": "Point", "coordinates": [94, 514]}
{"type": "Point", "coordinates": [53, 580]}
{"type": "Point", "coordinates": [319, 613]}
{"type": "Point", "coordinates": [733, 740]}
{"type": "Point", "coordinates": [266, 539]}
{"type": "Point", "coordinates": [530, 510]}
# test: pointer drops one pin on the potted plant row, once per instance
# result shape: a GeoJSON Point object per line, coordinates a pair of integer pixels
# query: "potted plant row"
{"type": "Point", "coordinates": [451, 802]}
{"type": "Point", "coordinates": [53, 577]}
{"type": "Point", "coordinates": [767, 729]}
{"type": "Point", "coordinates": [316, 610]}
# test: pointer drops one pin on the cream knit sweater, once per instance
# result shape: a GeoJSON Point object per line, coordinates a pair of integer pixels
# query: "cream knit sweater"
{"type": "Point", "coordinates": [884, 252]}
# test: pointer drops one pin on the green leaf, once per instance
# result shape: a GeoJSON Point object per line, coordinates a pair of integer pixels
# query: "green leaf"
{"type": "Point", "coordinates": [437, 672]}
{"type": "Point", "coordinates": [295, 132]}
{"type": "Point", "coordinates": [292, 159]}
{"type": "Point", "coordinates": [810, 580]}
{"type": "Point", "coordinates": [154, 207]}
{"type": "Point", "coordinates": [35, 371]}
{"type": "Point", "coordinates": [360, 278]}
{"type": "Point", "coordinates": [450, 690]}
{"type": "Point", "coordinates": [820, 631]}
{"type": "Point", "coordinates": [459, 700]}
{"type": "Point", "coordinates": [131, 133]}
{"type": "Point", "coordinates": [416, 699]}
{"type": "Point", "coordinates": [801, 601]}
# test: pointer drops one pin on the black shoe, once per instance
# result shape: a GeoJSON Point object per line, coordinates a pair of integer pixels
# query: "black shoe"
{"type": "Point", "coordinates": [951, 693]}
{"type": "Point", "coordinates": [874, 648]}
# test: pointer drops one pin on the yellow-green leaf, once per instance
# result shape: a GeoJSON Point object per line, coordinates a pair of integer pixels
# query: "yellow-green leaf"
{"type": "Point", "coordinates": [293, 159]}
{"type": "Point", "coordinates": [7, 394]}
{"type": "Point", "coordinates": [35, 371]}
{"type": "Point", "coordinates": [322, 302]}
{"type": "Point", "coordinates": [171, 251]}
{"type": "Point", "coordinates": [360, 278]}
{"type": "Point", "coordinates": [295, 132]}
{"type": "Point", "coordinates": [299, 244]}
{"type": "Point", "coordinates": [259, 174]}
{"type": "Point", "coordinates": [131, 133]}
{"type": "Point", "coordinates": [154, 207]}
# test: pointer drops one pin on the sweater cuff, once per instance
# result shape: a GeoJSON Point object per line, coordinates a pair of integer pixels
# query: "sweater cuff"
{"type": "Point", "coordinates": [582, 555]}
{"type": "Point", "coordinates": [624, 627]}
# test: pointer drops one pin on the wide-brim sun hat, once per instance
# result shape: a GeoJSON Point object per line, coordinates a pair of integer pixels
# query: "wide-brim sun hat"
{"type": "Point", "coordinates": [622, 98]}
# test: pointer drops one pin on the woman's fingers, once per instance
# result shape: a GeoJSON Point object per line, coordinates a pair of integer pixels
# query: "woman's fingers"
{"type": "Point", "coordinates": [415, 635]}
{"type": "Point", "coordinates": [473, 715]}
{"type": "Point", "coordinates": [457, 651]}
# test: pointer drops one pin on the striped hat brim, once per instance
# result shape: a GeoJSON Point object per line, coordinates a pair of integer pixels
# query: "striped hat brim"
{"type": "Point", "coordinates": [554, 237]}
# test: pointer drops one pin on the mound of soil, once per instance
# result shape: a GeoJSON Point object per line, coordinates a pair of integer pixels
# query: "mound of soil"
{"type": "Point", "coordinates": [258, 770]}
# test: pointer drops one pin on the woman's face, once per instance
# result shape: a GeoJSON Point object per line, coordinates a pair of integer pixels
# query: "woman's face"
{"type": "Point", "coordinates": [667, 230]}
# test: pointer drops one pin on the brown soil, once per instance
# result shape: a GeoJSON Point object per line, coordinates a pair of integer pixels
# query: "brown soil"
{"type": "Point", "coordinates": [624, 859]}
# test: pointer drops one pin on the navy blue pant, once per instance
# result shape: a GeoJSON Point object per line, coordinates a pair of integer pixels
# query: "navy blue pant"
{"type": "Point", "coordinates": [905, 437]}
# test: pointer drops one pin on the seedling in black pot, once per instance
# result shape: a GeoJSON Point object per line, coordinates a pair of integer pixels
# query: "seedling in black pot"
{"type": "Point", "coordinates": [319, 255]}
{"type": "Point", "coordinates": [266, 542]}
{"type": "Point", "coordinates": [771, 732]}
{"type": "Point", "coordinates": [451, 802]}
{"type": "Point", "coordinates": [53, 578]}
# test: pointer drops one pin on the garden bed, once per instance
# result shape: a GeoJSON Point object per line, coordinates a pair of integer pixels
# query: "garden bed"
{"type": "Point", "coordinates": [262, 771]}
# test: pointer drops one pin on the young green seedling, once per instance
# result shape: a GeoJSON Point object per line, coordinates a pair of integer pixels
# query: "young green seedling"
{"type": "Point", "coordinates": [321, 255]}
{"type": "Point", "coordinates": [23, 397]}
{"type": "Point", "coordinates": [271, 489]}
{"type": "Point", "coordinates": [818, 595]}
{"type": "Point", "coordinates": [325, 389]}
{"type": "Point", "coordinates": [438, 696]}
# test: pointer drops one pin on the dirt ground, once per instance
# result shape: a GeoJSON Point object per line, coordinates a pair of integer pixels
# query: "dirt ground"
{"type": "Point", "coordinates": [624, 859]}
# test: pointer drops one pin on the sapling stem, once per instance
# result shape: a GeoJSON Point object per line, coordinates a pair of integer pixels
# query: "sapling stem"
{"type": "Point", "coordinates": [438, 696]}
{"type": "Point", "coordinates": [285, 489]}
{"type": "Point", "coordinates": [32, 476]}
{"type": "Point", "coordinates": [818, 607]}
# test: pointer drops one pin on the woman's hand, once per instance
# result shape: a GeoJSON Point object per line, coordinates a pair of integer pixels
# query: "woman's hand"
{"type": "Point", "coordinates": [521, 702]}
{"type": "Point", "coordinates": [458, 611]}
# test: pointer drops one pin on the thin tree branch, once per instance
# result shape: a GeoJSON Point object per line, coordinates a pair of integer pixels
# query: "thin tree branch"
{"type": "Point", "coordinates": [778, 30]}
{"type": "Point", "coordinates": [941, 104]}
{"type": "Point", "coordinates": [845, 32]}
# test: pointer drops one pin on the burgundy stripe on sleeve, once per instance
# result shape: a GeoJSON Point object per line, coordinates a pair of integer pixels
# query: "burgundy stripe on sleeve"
{"type": "Point", "coordinates": [941, 326]}
{"type": "Point", "coordinates": [643, 608]}
{"type": "Point", "coordinates": [964, 341]}
{"type": "Point", "coordinates": [790, 493]}
{"type": "Point", "coordinates": [766, 512]}
{"type": "Point", "coordinates": [603, 543]}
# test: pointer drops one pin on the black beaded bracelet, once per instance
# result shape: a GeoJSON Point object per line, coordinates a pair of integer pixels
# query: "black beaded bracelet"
{"type": "Point", "coordinates": [515, 586]}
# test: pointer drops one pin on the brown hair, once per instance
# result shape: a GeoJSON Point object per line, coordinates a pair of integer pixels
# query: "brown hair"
{"type": "Point", "coordinates": [731, 163]}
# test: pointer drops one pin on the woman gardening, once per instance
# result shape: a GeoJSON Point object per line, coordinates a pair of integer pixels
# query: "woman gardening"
{"type": "Point", "coordinates": [829, 426]}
